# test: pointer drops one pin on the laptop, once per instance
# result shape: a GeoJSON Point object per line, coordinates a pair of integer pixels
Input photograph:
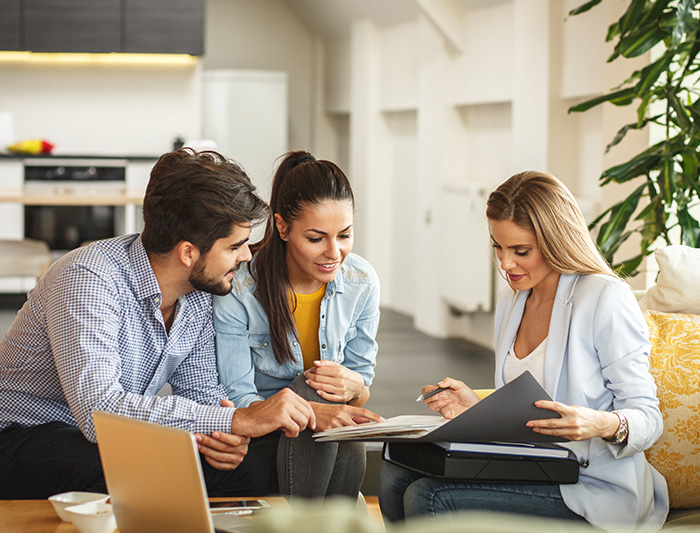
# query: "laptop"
{"type": "Point", "coordinates": [154, 479]}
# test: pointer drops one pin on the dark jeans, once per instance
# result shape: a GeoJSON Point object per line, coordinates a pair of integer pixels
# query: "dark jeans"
{"type": "Point", "coordinates": [304, 468]}
{"type": "Point", "coordinates": [40, 461]}
{"type": "Point", "coordinates": [405, 494]}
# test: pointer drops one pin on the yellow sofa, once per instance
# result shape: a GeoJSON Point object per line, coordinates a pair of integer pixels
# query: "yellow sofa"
{"type": "Point", "coordinates": [675, 365]}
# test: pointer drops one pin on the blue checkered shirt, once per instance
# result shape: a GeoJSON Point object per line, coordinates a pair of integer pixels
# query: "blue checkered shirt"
{"type": "Point", "coordinates": [91, 337]}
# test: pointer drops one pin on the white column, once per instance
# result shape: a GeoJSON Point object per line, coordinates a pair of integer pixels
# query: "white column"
{"type": "Point", "coordinates": [369, 146]}
{"type": "Point", "coordinates": [531, 83]}
{"type": "Point", "coordinates": [433, 116]}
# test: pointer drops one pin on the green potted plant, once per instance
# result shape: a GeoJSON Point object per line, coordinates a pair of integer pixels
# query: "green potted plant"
{"type": "Point", "coordinates": [667, 173]}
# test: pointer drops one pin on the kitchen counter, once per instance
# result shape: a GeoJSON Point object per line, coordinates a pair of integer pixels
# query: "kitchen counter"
{"type": "Point", "coordinates": [72, 199]}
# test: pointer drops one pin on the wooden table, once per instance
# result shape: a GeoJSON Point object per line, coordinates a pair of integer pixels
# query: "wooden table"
{"type": "Point", "coordinates": [38, 516]}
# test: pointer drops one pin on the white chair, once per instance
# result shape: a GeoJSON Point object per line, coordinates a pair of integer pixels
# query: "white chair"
{"type": "Point", "coordinates": [24, 258]}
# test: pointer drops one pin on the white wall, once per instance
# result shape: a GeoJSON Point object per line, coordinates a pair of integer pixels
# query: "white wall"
{"type": "Point", "coordinates": [266, 35]}
{"type": "Point", "coordinates": [97, 108]}
{"type": "Point", "coordinates": [470, 93]}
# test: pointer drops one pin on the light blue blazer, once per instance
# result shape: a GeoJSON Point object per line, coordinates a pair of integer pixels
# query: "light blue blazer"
{"type": "Point", "coordinates": [597, 356]}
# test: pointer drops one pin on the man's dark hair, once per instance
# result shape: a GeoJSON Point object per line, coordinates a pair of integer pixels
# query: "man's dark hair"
{"type": "Point", "coordinates": [197, 197]}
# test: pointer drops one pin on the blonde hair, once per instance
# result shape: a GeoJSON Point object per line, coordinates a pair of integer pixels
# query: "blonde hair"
{"type": "Point", "coordinates": [540, 203]}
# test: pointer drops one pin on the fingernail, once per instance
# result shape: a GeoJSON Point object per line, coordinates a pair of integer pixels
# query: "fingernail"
{"type": "Point", "coordinates": [307, 381]}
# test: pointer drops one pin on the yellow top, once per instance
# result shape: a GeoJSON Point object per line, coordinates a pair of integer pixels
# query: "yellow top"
{"type": "Point", "coordinates": [307, 316]}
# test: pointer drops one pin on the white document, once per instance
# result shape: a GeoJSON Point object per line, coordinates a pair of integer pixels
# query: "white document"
{"type": "Point", "coordinates": [404, 426]}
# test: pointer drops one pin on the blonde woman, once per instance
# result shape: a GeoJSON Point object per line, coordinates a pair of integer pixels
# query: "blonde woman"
{"type": "Point", "coordinates": [577, 328]}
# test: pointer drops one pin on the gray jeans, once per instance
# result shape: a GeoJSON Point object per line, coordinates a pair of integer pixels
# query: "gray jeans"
{"type": "Point", "coordinates": [309, 469]}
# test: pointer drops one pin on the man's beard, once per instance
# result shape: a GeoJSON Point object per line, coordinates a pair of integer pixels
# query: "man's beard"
{"type": "Point", "coordinates": [200, 281]}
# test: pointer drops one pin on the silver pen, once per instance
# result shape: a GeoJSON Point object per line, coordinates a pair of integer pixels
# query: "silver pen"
{"type": "Point", "coordinates": [431, 393]}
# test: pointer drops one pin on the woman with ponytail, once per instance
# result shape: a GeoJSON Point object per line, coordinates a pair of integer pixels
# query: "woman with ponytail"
{"type": "Point", "coordinates": [304, 314]}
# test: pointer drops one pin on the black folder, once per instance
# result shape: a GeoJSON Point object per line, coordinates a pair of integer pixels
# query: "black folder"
{"type": "Point", "coordinates": [435, 461]}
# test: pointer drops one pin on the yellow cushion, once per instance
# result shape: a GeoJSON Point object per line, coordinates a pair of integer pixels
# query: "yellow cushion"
{"type": "Point", "coordinates": [675, 365]}
{"type": "Point", "coordinates": [483, 393]}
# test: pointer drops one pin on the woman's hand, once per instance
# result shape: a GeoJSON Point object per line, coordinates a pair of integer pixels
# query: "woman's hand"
{"type": "Point", "coordinates": [576, 423]}
{"type": "Point", "coordinates": [334, 416]}
{"type": "Point", "coordinates": [336, 383]}
{"type": "Point", "coordinates": [452, 402]}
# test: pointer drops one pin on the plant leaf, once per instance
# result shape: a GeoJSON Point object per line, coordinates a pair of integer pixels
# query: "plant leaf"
{"type": "Point", "coordinates": [655, 11]}
{"type": "Point", "coordinates": [690, 58]}
{"type": "Point", "coordinates": [585, 7]}
{"type": "Point", "coordinates": [622, 97]}
{"type": "Point", "coordinates": [636, 166]}
{"type": "Point", "coordinates": [683, 18]}
{"type": "Point", "coordinates": [628, 268]}
{"type": "Point", "coordinates": [650, 74]}
{"type": "Point", "coordinates": [642, 40]}
{"type": "Point", "coordinates": [690, 170]}
{"type": "Point", "coordinates": [610, 232]}
{"type": "Point", "coordinates": [690, 229]}
{"type": "Point", "coordinates": [666, 182]}
{"type": "Point", "coordinates": [626, 128]}
{"type": "Point", "coordinates": [681, 112]}
{"type": "Point", "coordinates": [632, 16]}
{"type": "Point", "coordinates": [613, 31]}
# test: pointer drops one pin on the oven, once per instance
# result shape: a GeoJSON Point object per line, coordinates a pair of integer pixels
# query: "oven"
{"type": "Point", "coordinates": [70, 202]}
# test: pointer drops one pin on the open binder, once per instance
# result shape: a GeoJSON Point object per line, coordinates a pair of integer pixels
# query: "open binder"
{"type": "Point", "coordinates": [436, 461]}
{"type": "Point", "coordinates": [422, 444]}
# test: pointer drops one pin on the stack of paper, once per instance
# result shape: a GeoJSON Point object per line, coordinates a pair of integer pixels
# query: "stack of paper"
{"type": "Point", "coordinates": [541, 449]}
{"type": "Point", "coordinates": [404, 426]}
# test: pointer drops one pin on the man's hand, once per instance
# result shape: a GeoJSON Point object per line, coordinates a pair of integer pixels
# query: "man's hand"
{"type": "Point", "coordinates": [336, 383]}
{"type": "Point", "coordinates": [286, 410]}
{"type": "Point", "coordinates": [334, 416]}
{"type": "Point", "coordinates": [222, 450]}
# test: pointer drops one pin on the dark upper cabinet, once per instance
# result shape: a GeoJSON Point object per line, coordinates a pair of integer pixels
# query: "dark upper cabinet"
{"type": "Point", "coordinates": [102, 26]}
{"type": "Point", "coordinates": [9, 25]}
{"type": "Point", "coordinates": [164, 26]}
{"type": "Point", "coordinates": [72, 25]}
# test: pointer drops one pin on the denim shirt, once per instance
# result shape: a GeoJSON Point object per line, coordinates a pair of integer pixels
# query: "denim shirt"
{"type": "Point", "coordinates": [349, 322]}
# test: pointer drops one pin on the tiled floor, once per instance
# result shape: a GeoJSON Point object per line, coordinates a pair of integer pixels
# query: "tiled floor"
{"type": "Point", "coordinates": [408, 359]}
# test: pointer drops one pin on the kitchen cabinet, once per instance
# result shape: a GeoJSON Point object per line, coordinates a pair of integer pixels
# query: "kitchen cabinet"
{"type": "Point", "coordinates": [164, 26]}
{"type": "Point", "coordinates": [9, 25]}
{"type": "Point", "coordinates": [103, 26]}
{"type": "Point", "coordinates": [72, 25]}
